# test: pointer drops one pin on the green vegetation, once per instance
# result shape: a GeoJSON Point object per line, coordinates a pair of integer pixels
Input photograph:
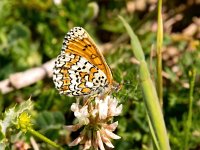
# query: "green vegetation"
{"type": "Point", "coordinates": [31, 33]}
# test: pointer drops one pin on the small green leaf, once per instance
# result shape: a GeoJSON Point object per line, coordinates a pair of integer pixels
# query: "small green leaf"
{"type": "Point", "coordinates": [50, 120]}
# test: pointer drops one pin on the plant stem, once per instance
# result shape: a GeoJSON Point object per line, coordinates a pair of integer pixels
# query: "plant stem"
{"type": "Point", "coordinates": [42, 137]}
{"type": "Point", "coordinates": [153, 134]}
{"type": "Point", "coordinates": [150, 96]}
{"type": "Point", "coordinates": [153, 107]}
{"type": "Point", "coordinates": [192, 74]}
{"type": "Point", "coordinates": [159, 54]}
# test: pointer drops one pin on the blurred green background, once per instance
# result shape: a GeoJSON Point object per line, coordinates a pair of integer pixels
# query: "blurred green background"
{"type": "Point", "coordinates": [32, 31]}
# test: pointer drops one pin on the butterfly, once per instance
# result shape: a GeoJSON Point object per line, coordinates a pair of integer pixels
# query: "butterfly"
{"type": "Point", "coordinates": [80, 69]}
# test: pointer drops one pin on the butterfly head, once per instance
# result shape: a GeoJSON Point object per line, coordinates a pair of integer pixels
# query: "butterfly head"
{"type": "Point", "coordinates": [116, 86]}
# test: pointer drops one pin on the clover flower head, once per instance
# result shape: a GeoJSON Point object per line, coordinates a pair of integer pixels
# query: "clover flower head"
{"type": "Point", "coordinates": [95, 118]}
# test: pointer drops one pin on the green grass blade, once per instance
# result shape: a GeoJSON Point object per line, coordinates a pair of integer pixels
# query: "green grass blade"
{"type": "Point", "coordinates": [159, 54]}
{"type": "Point", "coordinates": [150, 96]}
{"type": "Point", "coordinates": [137, 49]}
{"type": "Point", "coordinates": [192, 74]}
{"type": "Point", "coordinates": [153, 134]}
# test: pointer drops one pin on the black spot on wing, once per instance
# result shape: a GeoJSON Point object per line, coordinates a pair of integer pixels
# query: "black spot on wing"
{"type": "Point", "coordinates": [86, 46]}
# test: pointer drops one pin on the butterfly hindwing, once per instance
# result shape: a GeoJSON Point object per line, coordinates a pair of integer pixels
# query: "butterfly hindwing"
{"type": "Point", "coordinates": [75, 76]}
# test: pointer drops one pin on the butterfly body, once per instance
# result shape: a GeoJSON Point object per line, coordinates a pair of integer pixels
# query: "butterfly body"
{"type": "Point", "coordinates": [80, 69]}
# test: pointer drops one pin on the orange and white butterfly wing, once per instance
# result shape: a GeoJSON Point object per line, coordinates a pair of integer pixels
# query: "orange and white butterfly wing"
{"type": "Point", "coordinates": [80, 69]}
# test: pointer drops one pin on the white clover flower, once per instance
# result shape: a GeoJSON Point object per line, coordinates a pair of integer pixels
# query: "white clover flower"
{"type": "Point", "coordinates": [74, 107]}
{"type": "Point", "coordinates": [80, 113]}
{"type": "Point", "coordinates": [95, 118]}
{"type": "Point", "coordinates": [114, 110]}
{"type": "Point", "coordinates": [103, 109]}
